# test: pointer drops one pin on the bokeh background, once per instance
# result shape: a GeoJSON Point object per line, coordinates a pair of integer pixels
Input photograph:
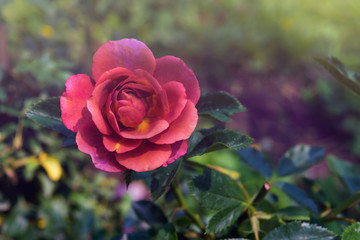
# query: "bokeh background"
{"type": "Point", "coordinates": [259, 51]}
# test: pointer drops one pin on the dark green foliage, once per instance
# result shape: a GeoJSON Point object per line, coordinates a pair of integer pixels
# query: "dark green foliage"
{"type": "Point", "coordinates": [150, 213]}
{"type": "Point", "coordinates": [162, 177]}
{"type": "Point", "coordinates": [87, 204]}
{"type": "Point", "coordinates": [167, 232]}
{"type": "Point", "coordinates": [216, 191]}
{"type": "Point", "coordinates": [298, 159]}
{"type": "Point", "coordinates": [220, 139]}
{"type": "Point", "coordinates": [219, 105]}
{"type": "Point", "coordinates": [336, 68]}
{"type": "Point", "coordinates": [129, 176]}
{"type": "Point", "coordinates": [298, 195]}
{"type": "Point", "coordinates": [347, 172]}
{"type": "Point", "coordinates": [256, 160]}
{"type": "Point", "coordinates": [224, 218]}
{"type": "Point", "coordinates": [300, 230]}
{"type": "Point", "coordinates": [352, 232]}
{"type": "Point", "coordinates": [48, 114]}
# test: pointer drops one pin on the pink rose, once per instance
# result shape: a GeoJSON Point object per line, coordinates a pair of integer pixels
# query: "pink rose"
{"type": "Point", "coordinates": [137, 112]}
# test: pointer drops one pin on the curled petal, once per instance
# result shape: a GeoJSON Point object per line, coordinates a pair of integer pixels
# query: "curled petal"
{"type": "Point", "coordinates": [178, 149]}
{"type": "Point", "coordinates": [101, 93]}
{"type": "Point", "coordinates": [113, 121]}
{"type": "Point", "coordinates": [146, 157]}
{"type": "Point", "coordinates": [73, 101]}
{"type": "Point", "coordinates": [147, 129]}
{"type": "Point", "coordinates": [115, 73]}
{"type": "Point", "coordinates": [170, 68]}
{"type": "Point", "coordinates": [89, 140]}
{"type": "Point", "coordinates": [151, 81]}
{"type": "Point", "coordinates": [120, 145]}
{"type": "Point", "coordinates": [181, 128]}
{"type": "Point", "coordinates": [127, 53]}
{"type": "Point", "coordinates": [176, 95]}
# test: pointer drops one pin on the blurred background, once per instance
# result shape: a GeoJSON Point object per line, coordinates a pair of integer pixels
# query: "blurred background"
{"type": "Point", "coordinates": [259, 51]}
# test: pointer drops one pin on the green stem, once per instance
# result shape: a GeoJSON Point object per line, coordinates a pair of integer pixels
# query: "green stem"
{"type": "Point", "coordinates": [182, 203]}
{"type": "Point", "coordinates": [254, 225]}
{"type": "Point", "coordinates": [334, 218]}
{"type": "Point", "coordinates": [243, 190]}
{"type": "Point", "coordinates": [353, 198]}
{"type": "Point", "coordinates": [261, 194]}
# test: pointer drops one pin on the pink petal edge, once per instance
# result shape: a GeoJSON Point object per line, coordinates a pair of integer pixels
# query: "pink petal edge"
{"type": "Point", "coordinates": [127, 53]}
{"type": "Point", "coordinates": [171, 68]}
{"type": "Point", "coordinates": [181, 128]}
{"type": "Point", "coordinates": [148, 156]}
{"type": "Point", "coordinates": [73, 101]}
{"type": "Point", "coordinates": [120, 145]}
{"type": "Point", "coordinates": [178, 149]}
{"type": "Point", "coordinates": [89, 140]}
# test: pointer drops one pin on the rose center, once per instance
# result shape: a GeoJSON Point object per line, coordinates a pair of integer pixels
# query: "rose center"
{"type": "Point", "coordinates": [130, 110]}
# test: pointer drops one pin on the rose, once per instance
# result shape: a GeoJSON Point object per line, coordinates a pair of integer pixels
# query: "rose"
{"type": "Point", "coordinates": [136, 113]}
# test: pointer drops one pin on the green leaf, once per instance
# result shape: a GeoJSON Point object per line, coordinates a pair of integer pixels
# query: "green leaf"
{"type": "Point", "coordinates": [300, 230]}
{"type": "Point", "coordinates": [352, 232]}
{"type": "Point", "coordinates": [138, 235]}
{"type": "Point", "coordinates": [347, 172]}
{"type": "Point", "coordinates": [48, 114]}
{"type": "Point", "coordinates": [298, 195]}
{"type": "Point", "coordinates": [194, 140]}
{"type": "Point", "coordinates": [337, 69]}
{"type": "Point", "coordinates": [215, 190]}
{"type": "Point", "coordinates": [270, 224]}
{"type": "Point", "coordinates": [224, 218]}
{"type": "Point", "coordinates": [150, 213]}
{"type": "Point", "coordinates": [298, 159]}
{"type": "Point", "coordinates": [220, 139]}
{"type": "Point", "coordinates": [197, 136]}
{"type": "Point", "coordinates": [182, 222]}
{"type": "Point", "coordinates": [16, 222]}
{"type": "Point", "coordinates": [167, 232]}
{"type": "Point", "coordinates": [219, 105]}
{"type": "Point", "coordinates": [129, 176]}
{"type": "Point", "coordinates": [256, 160]}
{"type": "Point", "coordinates": [162, 177]}
{"type": "Point", "coordinates": [294, 213]}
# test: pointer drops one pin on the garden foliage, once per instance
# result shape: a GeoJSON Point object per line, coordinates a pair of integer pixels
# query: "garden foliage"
{"type": "Point", "coordinates": [258, 200]}
{"type": "Point", "coordinates": [226, 186]}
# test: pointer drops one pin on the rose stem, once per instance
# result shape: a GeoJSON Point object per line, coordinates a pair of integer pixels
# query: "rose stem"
{"type": "Point", "coordinates": [175, 186]}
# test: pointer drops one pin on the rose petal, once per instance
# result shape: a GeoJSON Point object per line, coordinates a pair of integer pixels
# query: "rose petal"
{"type": "Point", "coordinates": [109, 81]}
{"type": "Point", "coordinates": [128, 53]}
{"type": "Point", "coordinates": [178, 149]}
{"type": "Point", "coordinates": [147, 129]}
{"type": "Point", "coordinates": [141, 74]}
{"type": "Point", "coordinates": [176, 95]}
{"type": "Point", "coordinates": [120, 145]}
{"type": "Point", "coordinates": [113, 121]}
{"type": "Point", "coordinates": [146, 157]}
{"type": "Point", "coordinates": [89, 140]}
{"type": "Point", "coordinates": [181, 128]}
{"type": "Point", "coordinates": [170, 68]}
{"type": "Point", "coordinates": [73, 101]}
{"type": "Point", "coordinates": [158, 102]}
{"type": "Point", "coordinates": [115, 73]}
{"type": "Point", "coordinates": [96, 102]}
